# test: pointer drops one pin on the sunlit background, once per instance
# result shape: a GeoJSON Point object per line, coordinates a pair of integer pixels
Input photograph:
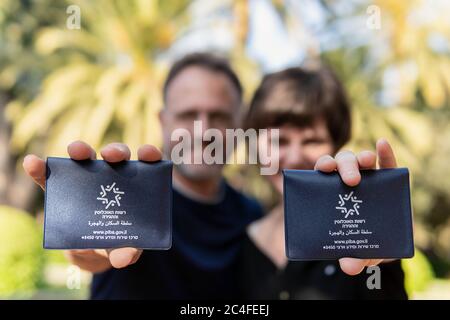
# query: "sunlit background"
{"type": "Point", "coordinates": [92, 70]}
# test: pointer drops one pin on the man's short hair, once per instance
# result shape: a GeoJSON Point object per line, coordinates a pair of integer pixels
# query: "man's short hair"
{"type": "Point", "coordinates": [298, 97]}
{"type": "Point", "coordinates": [208, 61]}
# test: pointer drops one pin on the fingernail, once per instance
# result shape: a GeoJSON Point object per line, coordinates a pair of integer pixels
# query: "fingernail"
{"type": "Point", "coordinates": [351, 174]}
{"type": "Point", "coordinates": [121, 148]}
{"type": "Point", "coordinates": [26, 157]}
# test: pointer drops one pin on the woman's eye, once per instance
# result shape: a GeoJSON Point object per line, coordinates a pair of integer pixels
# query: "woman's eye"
{"type": "Point", "coordinates": [283, 142]}
{"type": "Point", "coordinates": [314, 141]}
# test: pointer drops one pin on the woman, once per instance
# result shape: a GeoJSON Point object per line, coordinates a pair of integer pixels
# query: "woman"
{"type": "Point", "coordinates": [311, 111]}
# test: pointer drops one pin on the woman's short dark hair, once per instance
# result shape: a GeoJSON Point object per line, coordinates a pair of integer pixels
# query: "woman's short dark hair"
{"type": "Point", "coordinates": [298, 97]}
{"type": "Point", "coordinates": [208, 61]}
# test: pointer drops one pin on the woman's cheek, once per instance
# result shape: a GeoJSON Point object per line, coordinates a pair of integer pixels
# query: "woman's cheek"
{"type": "Point", "coordinates": [282, 158]}
{"type": "Point", "coordinates": [315, 153]}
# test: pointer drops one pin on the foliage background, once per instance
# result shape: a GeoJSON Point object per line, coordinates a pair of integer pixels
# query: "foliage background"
{"type": "Point", "coordinates": [101, 83]}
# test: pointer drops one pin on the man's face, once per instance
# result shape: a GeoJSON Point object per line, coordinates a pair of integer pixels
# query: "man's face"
{"type": "Point", "coordinates": [197, 94]}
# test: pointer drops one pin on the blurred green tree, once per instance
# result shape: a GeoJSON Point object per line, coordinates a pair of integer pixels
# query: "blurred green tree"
{"type": "Point", "coordinates": [108, 86]}
{"type": "Point", "coordinates": [21, 254]}
{"type": "Point", "coordinates": [21, 71]}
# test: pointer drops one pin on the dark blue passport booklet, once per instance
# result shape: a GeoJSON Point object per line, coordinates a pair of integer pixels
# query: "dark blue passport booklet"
{"type": "Point", "coordinates": [326, 219]}
{"type": "Point", "coordinates": [94, 204]}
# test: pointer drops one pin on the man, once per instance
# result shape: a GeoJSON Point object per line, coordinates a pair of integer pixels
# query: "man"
{"type": "Point", "coordinates": [209, 217]}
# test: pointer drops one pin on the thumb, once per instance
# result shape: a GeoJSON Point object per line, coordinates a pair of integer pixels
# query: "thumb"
{"type": "Point", "coordinates": [123, 257]}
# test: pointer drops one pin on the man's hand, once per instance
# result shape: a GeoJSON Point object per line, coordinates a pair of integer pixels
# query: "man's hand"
{"type": "Point", "coordinates": [348, 165]}
{"type": "Point", "coordinates": [95, 260]}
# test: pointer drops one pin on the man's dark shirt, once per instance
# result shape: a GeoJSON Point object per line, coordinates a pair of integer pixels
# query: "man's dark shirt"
{"type": "Point", "coordinates": [202, 263]}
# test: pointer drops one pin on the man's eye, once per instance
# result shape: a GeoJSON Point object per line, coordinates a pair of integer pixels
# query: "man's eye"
{"type": "Point", "coordinates": [187, 116]}
{"type": "Point", "coordinates": [221, 117]}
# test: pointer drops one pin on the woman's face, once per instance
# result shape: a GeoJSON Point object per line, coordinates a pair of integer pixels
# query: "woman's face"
{"type": "Point", "coordinates": [300, 148]}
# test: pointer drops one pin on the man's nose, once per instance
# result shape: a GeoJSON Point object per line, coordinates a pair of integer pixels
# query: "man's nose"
{"type": "Point", "coordinates": [202, 123]}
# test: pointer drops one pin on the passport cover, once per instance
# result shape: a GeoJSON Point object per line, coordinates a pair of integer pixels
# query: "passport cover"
{"type": "Point", "coordinates": [93, 204]}
{"type": "Point", "coordinates": [326, 219]}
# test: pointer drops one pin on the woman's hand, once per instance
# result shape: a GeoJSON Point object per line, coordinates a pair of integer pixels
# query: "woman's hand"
{"type": "Point", "coordinates": [348, 165]}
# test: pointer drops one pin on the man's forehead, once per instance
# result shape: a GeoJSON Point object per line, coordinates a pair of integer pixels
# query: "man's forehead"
{"type": "Point", "coordinates": [200, 84]}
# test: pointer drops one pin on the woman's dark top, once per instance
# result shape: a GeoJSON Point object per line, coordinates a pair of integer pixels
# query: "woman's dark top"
{"type": "Point", "coordinates": [261, 279]}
